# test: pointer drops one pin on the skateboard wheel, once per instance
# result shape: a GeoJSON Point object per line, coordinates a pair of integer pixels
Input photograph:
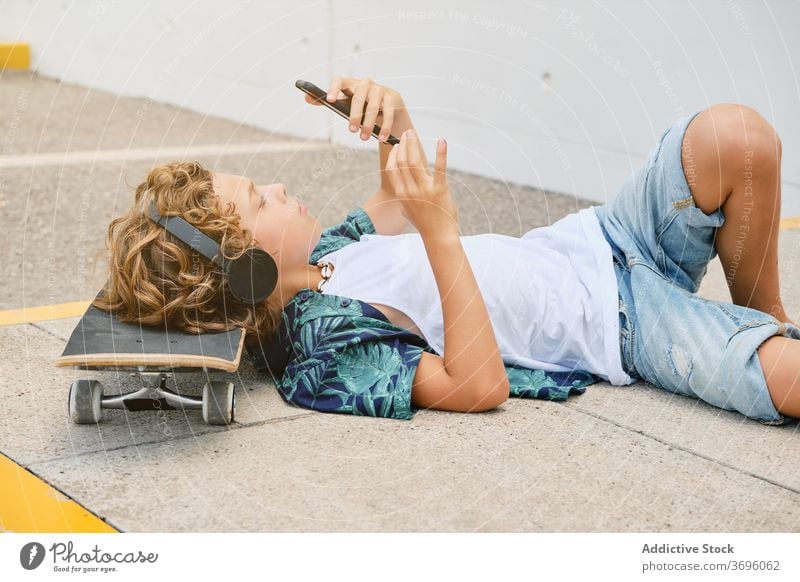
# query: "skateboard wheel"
{"type": "Point", "coordinates": [219, 401]}
{"type": "Point", "coordinates": [85, 401]}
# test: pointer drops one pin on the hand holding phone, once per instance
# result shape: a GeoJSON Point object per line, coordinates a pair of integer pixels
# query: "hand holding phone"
{"type": "Point", "coordinates": [364, 103]}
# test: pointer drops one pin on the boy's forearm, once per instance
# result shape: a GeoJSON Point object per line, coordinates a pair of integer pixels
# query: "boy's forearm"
{"type": "Point", "coordinates": [471, 355]}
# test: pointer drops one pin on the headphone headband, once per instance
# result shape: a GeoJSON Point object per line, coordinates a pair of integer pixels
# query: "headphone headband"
{"type": "Point", "coordinates": [251, 277]}
{"type": "Point", "coordinates": [189, 234]}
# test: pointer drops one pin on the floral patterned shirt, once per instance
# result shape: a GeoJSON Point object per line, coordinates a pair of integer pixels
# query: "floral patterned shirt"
{"type": "Point", "coordinates": [337, 354]}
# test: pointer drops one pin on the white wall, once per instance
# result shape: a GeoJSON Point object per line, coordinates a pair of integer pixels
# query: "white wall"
{"type": "Point", "coordinates": [568, 96]}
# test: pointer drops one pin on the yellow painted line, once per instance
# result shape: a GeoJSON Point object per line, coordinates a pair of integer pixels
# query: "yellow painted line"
{"type": "Point", "coordinates": [29, 505]}
{"type": "Point", "coordinates": [15, 56]}
{"type": "Point", "coordinates": [790, 223]}
{"type": "Point", "coordinates": [43, 313]}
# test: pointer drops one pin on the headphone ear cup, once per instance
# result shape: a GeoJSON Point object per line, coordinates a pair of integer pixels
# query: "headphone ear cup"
{"type": "Point", "coordinates": [253, 276]}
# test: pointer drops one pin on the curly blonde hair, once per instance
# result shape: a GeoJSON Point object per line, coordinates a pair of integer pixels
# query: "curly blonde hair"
{"type": "Point", "coordinates": [155, 279]}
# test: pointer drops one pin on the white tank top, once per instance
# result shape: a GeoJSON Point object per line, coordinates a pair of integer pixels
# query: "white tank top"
{"type": "Point", "coordinates": [551, 294]}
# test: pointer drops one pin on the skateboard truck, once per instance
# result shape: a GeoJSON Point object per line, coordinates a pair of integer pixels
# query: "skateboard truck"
{"type": "Point", "coordinates": [153, 395]}
{"type": "Point", "coordinates": [86, 399]}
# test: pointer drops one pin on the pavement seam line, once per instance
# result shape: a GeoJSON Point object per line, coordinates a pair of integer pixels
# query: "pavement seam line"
{"type": "Point", "coordinates": [48, 332]}
{"type": "Point", "coordinates": [152, 153]}
{"type": "Point", "coordinates": [235, 426]}
{"type": "Point", "coordinates": [684, 449]}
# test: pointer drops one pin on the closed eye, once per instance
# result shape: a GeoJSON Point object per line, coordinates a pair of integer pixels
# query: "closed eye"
{"type": "Point", "coordinates": [254, 192]}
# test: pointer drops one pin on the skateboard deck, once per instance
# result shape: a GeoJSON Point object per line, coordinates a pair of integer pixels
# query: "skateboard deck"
{"type": "Point", "coordinates": [101, 341]}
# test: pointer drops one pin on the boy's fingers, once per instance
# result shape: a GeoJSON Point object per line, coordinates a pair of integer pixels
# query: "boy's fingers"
{"type": "Point", "coordinates": [415, 159]}
{"type": "Point", "coordinates": [387, 108]}
{"type": "Point", "coordinates": [401, 151]}
{"type": "Point", "coordinates": [413, 148]}
{"type": "Point", "coordinates": [333, 90]}
{"type": "Point", "coordinates": [402, 162]}
{"type": "Point", "coordinates": [393, 173]}
{"type": "Point", "coordinates": [349, 84]}
{"type": "Point", "coordinates": [373, 108]}
{"type": "Point", "coordinates": [440, 165]}
{"type": "Point", "coordinates": [357, 106]}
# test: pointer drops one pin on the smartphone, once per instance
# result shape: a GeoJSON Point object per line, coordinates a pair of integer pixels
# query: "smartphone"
{"type": "Point", "coordinates": [340, 107]}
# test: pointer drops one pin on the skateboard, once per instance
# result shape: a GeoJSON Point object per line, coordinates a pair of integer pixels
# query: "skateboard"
{"type": "Point", "coordinates": [100, 341]}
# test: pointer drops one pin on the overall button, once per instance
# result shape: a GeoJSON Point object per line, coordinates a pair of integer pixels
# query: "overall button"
{"type": "Point", "coordinates": [304, 294]}
{"type": "Point", "coordinates": [345, 302]}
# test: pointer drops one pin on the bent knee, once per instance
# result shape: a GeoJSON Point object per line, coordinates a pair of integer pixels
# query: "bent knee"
{"type": "Point", "coordinates": [739, 131]}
